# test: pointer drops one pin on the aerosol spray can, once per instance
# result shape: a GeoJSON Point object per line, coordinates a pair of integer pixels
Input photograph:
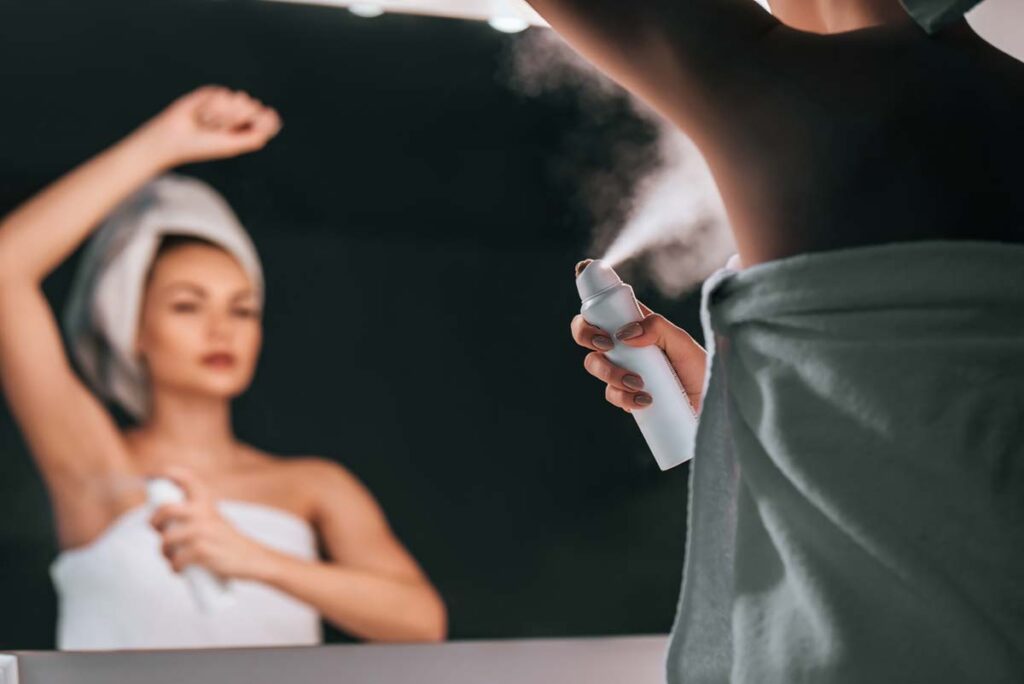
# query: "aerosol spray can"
{"type": "Point", "coordinates": [669, 423]}
{"type": "Point", "coordinates": [208, 590]}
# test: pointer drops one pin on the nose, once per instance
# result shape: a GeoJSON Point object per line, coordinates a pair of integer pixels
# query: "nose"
{"type": "Point", "coordinates": [219, 326]}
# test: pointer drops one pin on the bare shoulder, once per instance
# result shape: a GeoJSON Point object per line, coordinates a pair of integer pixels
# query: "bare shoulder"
{"type": "Point", "coordinates": [300, 484]}
{"type": "Point", "coordinates": [321, 473]}
{"type": "Point", "coordinates": [327, 485]}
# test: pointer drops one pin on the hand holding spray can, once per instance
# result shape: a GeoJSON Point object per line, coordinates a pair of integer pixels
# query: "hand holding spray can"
{"type": "Point", "coordinates": [669, 423]}
{"type": "Point", "coordinates": [208, 590]}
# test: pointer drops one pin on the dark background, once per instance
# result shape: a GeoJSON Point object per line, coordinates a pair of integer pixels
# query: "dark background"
{"type": "Point", "coordinates": [419, 220]}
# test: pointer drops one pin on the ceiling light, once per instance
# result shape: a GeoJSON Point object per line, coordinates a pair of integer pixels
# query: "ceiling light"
{"type": "Point", "coordinates": [366, 9]}
{"type": "Point", "coordinates": [507, 24]}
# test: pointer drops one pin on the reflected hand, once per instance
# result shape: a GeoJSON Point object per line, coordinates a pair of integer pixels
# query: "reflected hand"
{"type": "Point", "coordinates": [625, 389]}
{"type": "Point", "coordinates": [195, 533]}
{"type": "Point", "coordinates": [211, 122]}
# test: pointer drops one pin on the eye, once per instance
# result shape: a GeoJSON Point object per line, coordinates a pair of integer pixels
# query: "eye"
{"type": "Point", "coordinates": [184, 307]}
{"type": "Point", "coordinates": [244, 312]}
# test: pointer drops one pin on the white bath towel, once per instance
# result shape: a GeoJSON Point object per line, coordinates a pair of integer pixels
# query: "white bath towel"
{"type": "Point", "coordinates": [120, 592]}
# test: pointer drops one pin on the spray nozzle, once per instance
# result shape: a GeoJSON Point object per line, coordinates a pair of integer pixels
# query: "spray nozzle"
{"type": "Point", "coordinates": [595, 276]}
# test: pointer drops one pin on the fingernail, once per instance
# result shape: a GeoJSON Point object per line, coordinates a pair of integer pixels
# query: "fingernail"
{"type": "Point", "coordinates": [602, 342]}
{"type": "Point", "coordinates": [628, 332]}
{"type": "Point", "coordinates": [633, 382]}
{"type": "Point", "coordinates": [643, 400]}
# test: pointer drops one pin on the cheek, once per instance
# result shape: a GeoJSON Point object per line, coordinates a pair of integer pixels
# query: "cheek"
{"type": "Point", "coordinates": [166, 336]}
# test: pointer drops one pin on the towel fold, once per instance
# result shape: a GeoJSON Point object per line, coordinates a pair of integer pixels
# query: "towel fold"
{"type": "Point", "coordinates": [857, 493]}
{"type": "Point", "coordinates": [932, 15]}
{"type": "Point", "coordinates": [102, 314]}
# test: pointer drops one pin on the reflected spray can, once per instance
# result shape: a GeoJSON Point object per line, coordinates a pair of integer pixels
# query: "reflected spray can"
{"type": "Point", "coordinates": [669, 423]}
{"type": "Point", "coordinates": [208, 591]}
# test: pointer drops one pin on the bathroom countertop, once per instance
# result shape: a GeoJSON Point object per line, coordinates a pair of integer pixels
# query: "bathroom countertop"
{"type": "Point", "coordinates": [603, 660]}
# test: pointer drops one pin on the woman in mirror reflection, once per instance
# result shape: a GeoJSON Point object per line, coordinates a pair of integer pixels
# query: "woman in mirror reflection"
{"type": "Point", "coordinates": [165, 320]}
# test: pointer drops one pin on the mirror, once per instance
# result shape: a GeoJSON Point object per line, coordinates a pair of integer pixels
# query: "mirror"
{"type": "Point", "coordinates": [418, 219]}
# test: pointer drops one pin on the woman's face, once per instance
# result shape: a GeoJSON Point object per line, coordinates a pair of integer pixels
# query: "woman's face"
{"type": "Point", "coordinates": [201, 330]}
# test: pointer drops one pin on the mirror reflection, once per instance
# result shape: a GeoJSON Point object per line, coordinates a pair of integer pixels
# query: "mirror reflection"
{"type": "Point", "coordinates": [284, 332]}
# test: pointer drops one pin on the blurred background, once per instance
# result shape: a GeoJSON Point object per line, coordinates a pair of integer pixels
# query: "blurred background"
{"type": "Point", "coordinates": [419, 218]}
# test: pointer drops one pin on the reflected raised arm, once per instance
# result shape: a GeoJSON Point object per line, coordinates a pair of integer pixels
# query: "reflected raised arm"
{"type": "Point", "coordinates": [69, 433]}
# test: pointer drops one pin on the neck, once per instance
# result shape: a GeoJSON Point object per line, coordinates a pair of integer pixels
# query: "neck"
{"type": "Point", "coordinates": [186, 430]}
{"type": "Point", "coordinates": [838, 16]}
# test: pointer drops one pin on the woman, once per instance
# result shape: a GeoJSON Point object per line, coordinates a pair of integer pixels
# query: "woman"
{"type": "Point", "coordinates": [857, 494]}
{"type": "Point", "coordinates": [175, 362]}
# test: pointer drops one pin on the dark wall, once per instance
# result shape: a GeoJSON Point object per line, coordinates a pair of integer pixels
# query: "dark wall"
{"type": "Point", "coordinates": [419, 222]}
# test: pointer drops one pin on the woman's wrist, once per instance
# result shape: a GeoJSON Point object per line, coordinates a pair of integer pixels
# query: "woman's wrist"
{"type": "Point", "coordinates": [271, 567]}
{"type": "Point", "coordinates": [149, 149]}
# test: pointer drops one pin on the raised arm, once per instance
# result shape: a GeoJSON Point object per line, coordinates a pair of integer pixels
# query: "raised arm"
{"type": "Point", "coordinates": [67, 429]}
{"type": "Point", "coordinates": [671, 53]}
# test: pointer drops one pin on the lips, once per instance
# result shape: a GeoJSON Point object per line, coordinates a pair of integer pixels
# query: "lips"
{"type": "Point", "coordinates": [219, 360]}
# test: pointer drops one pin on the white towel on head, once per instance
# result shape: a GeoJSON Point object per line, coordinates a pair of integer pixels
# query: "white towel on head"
{"type": "Point", "coordinates": [102, 315]}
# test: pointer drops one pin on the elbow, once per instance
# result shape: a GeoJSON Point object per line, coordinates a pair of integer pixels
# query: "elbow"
{"type": "Point", "coordinates": [12, 272]}
{"type": "Point", "coordinates": [434, 626]}
{"type": "Point", "coordinates": [431, 622]}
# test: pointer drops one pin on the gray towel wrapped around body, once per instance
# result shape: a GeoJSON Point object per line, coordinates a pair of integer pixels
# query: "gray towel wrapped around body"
{"type": "Point", "coordinates": [857, 492]}
{"type": "Point", "coordinates": [932, 15]}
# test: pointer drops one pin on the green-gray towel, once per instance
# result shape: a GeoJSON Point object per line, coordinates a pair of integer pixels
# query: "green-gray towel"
{"type": "Point", "coordinates": [857, 493]}
{"type": "Point", "coordinates": [932, 15]}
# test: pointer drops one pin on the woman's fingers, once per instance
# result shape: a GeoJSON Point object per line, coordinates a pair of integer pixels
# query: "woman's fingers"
{"type": "Point", "coordinates": [626, 400]}
{"type": "Point", "coordinates": [264, 126]}
{"type": "Point", "coordinates": [182, 545]}
{"type": "Point", "coordinates": [171, 513]}
{"type": "Point", "coordinates": [598, 365]}
{"type": "Point", "coordinates": [212, 122]}
{"type": "Point", "coordinates": [589, 336]}
{"type": "Point", "coordinates": [223, 108]}
{"type": "Point", "coordinates": [687, 357]}
{"type": "Point", "coordinates": [209, 106]}
{"type": "Point", "coordinates": [182, 534]}
{"type": "Point", "coordinates": [681, 349]}
{"type": "Point", "coordinates": [237, 113]}
{"type": "Point", "coordinates": [184, 555]}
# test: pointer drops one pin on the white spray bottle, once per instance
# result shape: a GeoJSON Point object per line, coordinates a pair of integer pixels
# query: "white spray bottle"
{"type": "Point", "coordinates": [208, 590]}
{"type": "Point", "coordinates": [669, 423]}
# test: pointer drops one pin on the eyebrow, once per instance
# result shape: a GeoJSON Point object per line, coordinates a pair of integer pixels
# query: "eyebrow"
{"type": "Point", "coordinates": [196, 289]}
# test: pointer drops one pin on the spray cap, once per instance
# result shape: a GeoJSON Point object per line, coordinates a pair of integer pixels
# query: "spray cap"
{"type": "Point", "coordinates": [596, 276]}
{"type": "Point", "coordinates": [162, 491]}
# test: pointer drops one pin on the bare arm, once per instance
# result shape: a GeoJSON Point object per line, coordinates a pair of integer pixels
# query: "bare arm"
{"type": "Point", "coordinates": [671, 53]}
{"type": "Point", "coordinates": [67, 429]}
{"type": "Point", "coordinates": [372, 587]}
